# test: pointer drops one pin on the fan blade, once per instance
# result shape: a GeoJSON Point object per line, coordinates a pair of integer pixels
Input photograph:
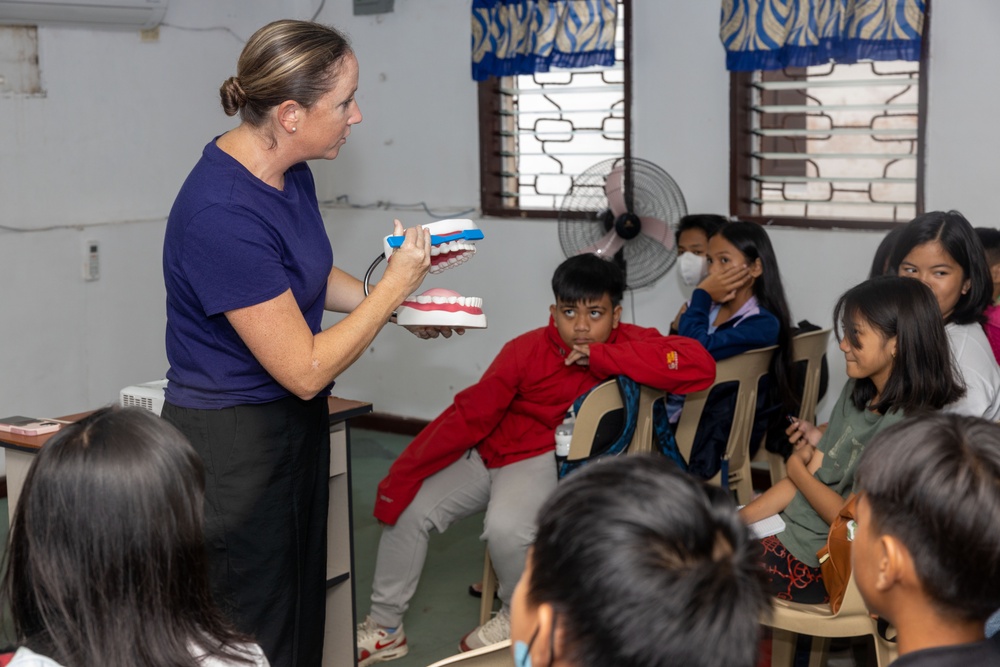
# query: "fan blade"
{"type": "Point", "coordinates": [606, 248]}
{"type": "Point", "coordinates": [614, 190]}
{"type": "Point", "coordinates": [658, 231]}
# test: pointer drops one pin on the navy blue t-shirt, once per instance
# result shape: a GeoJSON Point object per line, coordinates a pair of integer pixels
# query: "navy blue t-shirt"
{"type": "Point", "coordinates": [233, 241]}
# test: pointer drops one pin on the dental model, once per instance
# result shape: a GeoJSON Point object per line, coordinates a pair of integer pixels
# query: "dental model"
{"type": "Point", "coordinates": [442, 307]}
{"type": "Point", "coordinates": [451, 245]}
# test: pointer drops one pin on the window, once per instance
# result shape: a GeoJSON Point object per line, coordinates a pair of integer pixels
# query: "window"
{"type": "Point", "coordinates": [538, 132]}
{"type": "Point", "coordinates": [828, 146]}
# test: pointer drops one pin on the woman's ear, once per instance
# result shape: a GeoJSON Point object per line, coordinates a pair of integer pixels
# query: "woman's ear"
{"type": "Point", "coordinates": [289, 114]}
{"type": "Point", "coordinates": [757, 268]}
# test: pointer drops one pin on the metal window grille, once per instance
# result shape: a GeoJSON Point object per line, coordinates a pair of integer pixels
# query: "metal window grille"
{"type": "Point", "coordinates": [539, 132]}
{"type": "Point", "coordinates": [838, 142]}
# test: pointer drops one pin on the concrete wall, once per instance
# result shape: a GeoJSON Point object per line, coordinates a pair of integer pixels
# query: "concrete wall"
{"type": "Point", "coordinates": [102, 152]}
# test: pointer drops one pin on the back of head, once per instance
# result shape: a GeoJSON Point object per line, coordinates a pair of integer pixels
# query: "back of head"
{"type": "Point", "coordinates": [646, 566]}
{"type": "Point", "coordinates": [990, 238]}
{"type": "Point", "coordinates": [706, 222]}
{"type": "Point", "coordinates": [587, 276]}
{"type": "Point", "coordinates": [883, 254]}
{"type": "Point", "coordinates": [106, 562]}
{"type": "Point", "coordinates": [959, 239]}
{"type": "Point", "coordinates": [934, 484]}
{"type": "Point", "coordinates": [923, 376]}
{"type": "Point", "coordinates": [284, 60]}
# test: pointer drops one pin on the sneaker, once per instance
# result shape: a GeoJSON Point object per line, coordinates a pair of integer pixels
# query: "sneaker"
{"type": "Point", "coordinates": [493, 631]}
{"type": "Point", "coordinates": [376, 644]}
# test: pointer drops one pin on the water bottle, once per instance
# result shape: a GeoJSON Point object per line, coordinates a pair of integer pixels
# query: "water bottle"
{"type": "Point", "coordinates": [564, 435]}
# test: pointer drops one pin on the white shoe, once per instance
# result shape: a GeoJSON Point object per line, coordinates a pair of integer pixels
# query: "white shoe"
{"type": "Point", "coordinates": [493, 631]}
{"type": "Point", "coordinates": [376, 644]}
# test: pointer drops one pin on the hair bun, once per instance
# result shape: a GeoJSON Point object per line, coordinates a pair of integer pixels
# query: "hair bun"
{"type": "Point", "coordinates": [233, 96]}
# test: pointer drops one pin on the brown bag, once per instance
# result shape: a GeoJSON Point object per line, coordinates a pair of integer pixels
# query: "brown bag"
{"type": "Point", "coordinates": [835, 557]}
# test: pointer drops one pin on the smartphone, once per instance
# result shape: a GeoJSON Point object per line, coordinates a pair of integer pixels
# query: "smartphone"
{"type": "Point", "coordinates": [7, 423]}
{"type": "Point", "coordinates": [38, 427]}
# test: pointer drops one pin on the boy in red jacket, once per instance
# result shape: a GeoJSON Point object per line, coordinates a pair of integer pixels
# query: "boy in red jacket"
{"type": "Point", "coordinates": [492, 448]}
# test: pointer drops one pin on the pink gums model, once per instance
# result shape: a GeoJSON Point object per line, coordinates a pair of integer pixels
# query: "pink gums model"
{"type": "Point", "coordinates": [442, 307]}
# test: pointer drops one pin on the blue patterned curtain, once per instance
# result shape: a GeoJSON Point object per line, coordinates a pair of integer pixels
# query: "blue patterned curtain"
{"type": "Point", "coordinates": [526, 36]}
{"type": "Point", "coordinates": [772, 34]}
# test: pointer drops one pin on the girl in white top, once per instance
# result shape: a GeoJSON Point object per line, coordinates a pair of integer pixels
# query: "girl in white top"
{"type": "Point", "coordinates": [942, 250]}
{"type": "Point", "coordinates": [106, 560]}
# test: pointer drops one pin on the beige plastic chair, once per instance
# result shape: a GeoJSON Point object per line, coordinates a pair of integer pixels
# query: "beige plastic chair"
{"type": "Point", "coordinates": [816, 620]}
{"type": "Point", "coordinates": [810, 348]}
{"type": "Point", "coordinates": [599, 418]}
{"type": "Point", "coordinates": [746, 369]}
{"type": "Point", "coordinates": [494, 655]}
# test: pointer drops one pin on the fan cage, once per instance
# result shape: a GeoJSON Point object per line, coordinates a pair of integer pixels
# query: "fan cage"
{"type": "Point", "coordinates": [649, 191]}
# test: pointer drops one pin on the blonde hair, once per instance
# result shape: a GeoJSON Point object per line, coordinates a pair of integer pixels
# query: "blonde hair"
{"type": "Point", "coordinates": [284, 60]}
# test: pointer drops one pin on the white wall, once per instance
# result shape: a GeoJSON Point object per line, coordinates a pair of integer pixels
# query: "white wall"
{"type": "Point", "coordinates": [123, 121]}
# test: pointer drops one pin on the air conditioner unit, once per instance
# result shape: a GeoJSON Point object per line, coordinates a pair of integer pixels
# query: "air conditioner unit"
{"type": "Point", "coordinates": [139, 14]}
{"type": "Point", "coordinates": [148, 396]}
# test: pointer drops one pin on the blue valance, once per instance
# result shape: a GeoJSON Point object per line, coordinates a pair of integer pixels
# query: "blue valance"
{"type": "Point", "coordinates": [772, 34]}
{"type": "Point", "coordinates": [527, 36]}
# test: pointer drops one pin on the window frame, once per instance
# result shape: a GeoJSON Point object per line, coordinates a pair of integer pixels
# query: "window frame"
{"type": "Point", "coordinates": [490, 142]}
{"type": "Point", "coordinates": [741, 162]}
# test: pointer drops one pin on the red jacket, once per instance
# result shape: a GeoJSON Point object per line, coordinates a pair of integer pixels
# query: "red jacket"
{"type": "Point", "coordinates": [511, 414]}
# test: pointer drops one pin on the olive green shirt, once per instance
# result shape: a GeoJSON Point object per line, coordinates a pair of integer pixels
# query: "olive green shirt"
{"type": "Point", "coordinates": [849, 431]}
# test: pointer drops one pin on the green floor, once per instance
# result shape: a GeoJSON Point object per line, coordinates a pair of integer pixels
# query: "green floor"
{"type": "Point", "coordinates": [442, 611]}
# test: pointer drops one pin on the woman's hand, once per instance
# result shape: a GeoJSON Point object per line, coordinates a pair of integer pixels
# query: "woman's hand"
{"type": "Point", "coordinates": [723, 285]}
{"type": "Point", "coordinates": [409, 263]}
{"type": "Point", "coordinates": [802, 433]}
{"type": "Point", "coordinates": [434, 332]}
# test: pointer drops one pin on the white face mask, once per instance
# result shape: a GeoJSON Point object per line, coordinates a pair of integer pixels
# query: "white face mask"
{"type": "Point", "coordinates": [693, 268]}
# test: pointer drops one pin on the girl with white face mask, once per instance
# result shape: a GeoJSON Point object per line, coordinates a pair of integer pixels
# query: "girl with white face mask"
{"type": "Point", "coordinates": [693, 233]}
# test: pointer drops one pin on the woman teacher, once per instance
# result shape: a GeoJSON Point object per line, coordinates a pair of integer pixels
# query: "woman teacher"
{"type": "Point", "coordinates": [249, 272]}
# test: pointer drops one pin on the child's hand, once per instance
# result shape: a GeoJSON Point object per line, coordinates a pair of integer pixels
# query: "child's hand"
{"type": "Point", "coordinates": [804, 451]}
{"type": "Point", "coordinates": [722, 285]}
{"type": "Point", "coordinates": [579, 355]}
{"type": "Point", "coordinates": [802, 433]}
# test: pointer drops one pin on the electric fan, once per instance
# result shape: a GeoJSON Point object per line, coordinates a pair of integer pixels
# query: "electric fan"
{"type": "Point", "coordinates": [628, 206]}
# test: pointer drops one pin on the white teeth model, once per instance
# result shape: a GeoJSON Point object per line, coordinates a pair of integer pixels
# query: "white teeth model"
{"type": "Point", "coordinates": [439, 307]}
{"type": "Point", "coordinates": [450, 255]}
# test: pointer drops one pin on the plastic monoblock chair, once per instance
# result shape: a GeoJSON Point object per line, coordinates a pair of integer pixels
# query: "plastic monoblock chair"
{"type": "Point", "coordinates": [810, 348]}
{"type": "Point", "coordinates": [789, 619]}
{"type": "Point", "coordinates": [746, 369]}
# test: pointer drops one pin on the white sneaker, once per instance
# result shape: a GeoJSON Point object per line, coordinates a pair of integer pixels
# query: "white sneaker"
{"type": "Point", "coordinates": [376, 644]}
{"type": "Point", "coordinates": [493, 631]}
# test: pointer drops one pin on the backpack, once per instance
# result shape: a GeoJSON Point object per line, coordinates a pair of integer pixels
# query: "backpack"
{"type": "Point", "coordinates": [617, 427]}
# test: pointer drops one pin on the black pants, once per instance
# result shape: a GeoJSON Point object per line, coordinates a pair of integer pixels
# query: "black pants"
{"type": "Point", "coordinates": [267, 487]}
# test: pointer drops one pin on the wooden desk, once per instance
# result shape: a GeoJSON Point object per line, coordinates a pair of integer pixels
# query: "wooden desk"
{"type": "Point", "coordinates": [339, 647]}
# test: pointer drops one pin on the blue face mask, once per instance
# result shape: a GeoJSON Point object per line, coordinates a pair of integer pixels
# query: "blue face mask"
{"type": "Point", "coordinates": [522, 651]}
{"type": "Point", "coordinates": [522, 654]}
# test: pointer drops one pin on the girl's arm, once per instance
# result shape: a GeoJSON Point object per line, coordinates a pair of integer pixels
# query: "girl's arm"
{"type": "Point", "coordinates": [823, 499]}
{"type": "Point", "coordinates": [776, 498]}
{"type": "Point", "coordinates": [770, 502]}
{"type": "Point", "coordinates": [753, 332]}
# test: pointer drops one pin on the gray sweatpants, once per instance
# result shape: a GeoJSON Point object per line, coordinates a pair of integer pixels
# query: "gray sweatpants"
{"type": "Point", "coordinates": [511, 496]}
